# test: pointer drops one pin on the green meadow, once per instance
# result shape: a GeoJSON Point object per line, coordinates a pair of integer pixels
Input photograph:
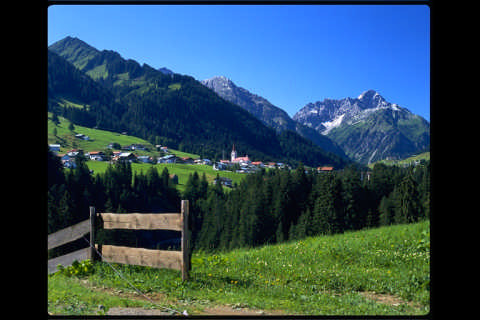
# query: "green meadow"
{"type": "Point", "coordinates": [183, 171]}
{"type": "Point", "coordinates": [381, 271]}
{"type": "Point", "coordinates": [99, 139]}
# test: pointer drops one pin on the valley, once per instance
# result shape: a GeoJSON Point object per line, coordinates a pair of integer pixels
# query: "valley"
{"type": "Point", "coordinates": [323, 213]}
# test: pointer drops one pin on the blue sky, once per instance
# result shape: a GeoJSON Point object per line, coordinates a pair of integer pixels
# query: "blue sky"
{"type": "Point", "coordinates": [289, 54]}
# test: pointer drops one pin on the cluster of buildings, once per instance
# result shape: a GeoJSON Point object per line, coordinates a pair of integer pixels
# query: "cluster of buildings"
{"type": "Point", "coordinates": [245, 164]}
{"type": "Point", "coordinates": [235, 163]}
{"type": "Point", "coordinates": [126, 154]}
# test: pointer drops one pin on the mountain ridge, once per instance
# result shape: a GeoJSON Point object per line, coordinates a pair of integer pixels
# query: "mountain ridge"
{"type": "Point", "coordinates": [174, 109]}
{"type": "Point", "coordinates": [368, 127]}
{"type": "Point", "coordinates": [268, 113]}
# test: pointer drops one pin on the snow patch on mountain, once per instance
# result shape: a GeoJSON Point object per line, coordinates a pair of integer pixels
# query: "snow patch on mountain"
{"type": "Point", "coordinates": [329, 125]}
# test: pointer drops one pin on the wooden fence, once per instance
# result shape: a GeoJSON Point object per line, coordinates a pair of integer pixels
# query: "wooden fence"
{"type": "Point", "coordinates": [179, 260]}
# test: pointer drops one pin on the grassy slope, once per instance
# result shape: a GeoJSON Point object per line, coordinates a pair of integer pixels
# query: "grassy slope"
{"type": "Point", "coordinates": [421, 156]}
{"type": "Point", "coordinates": [344, 274]}
{"type": "Point", "coordinates": [181, 170]}
{"type": "Point", "coordinates": [101, 138]}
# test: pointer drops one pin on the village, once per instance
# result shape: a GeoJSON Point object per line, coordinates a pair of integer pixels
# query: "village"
{"type": "Point", "coordinates": [114, 152]}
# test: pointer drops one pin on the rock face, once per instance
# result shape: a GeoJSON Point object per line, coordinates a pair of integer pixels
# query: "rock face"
{"type": "Point", "coordinates": [269, 114]}
{"type": "Point", "coordinates": [368, 127]}
{"type": "Point", "coordinates": [256, 105]}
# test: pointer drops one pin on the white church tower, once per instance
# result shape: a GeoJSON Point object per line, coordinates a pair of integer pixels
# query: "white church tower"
{"type": "Point", "coordinates": [234, 154]}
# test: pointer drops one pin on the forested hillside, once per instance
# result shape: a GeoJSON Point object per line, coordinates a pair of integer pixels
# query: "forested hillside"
{"type": "Point", "coordinates": [267, 207]}
{"type": "Point", "coordinates": [275, 206]}
{"type": "Point", "coordinates": [168, 109]}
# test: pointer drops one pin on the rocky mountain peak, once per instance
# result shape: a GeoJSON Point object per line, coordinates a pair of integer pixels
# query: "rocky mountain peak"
{"type": "Point", "coordinates": [368, 127]}
{"type": "Point", "coordinates": [218, 82]}
{"type": "Point", "coordinates": [371, 99]}
{"type": "Point", "coordinates": [367, 94]}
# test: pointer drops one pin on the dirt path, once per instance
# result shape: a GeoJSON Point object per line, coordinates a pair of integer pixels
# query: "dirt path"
{"type": "Point", "coordinates": [222, 310]}
{"type": "Point", "coordinates": [227, 310]}
{"type": "Point", "coordinates": [136, 312]}
{"type": "Point", "coordinates": [216, 310]}
{"type": "Point", "coordinates": [388, 299]}
{"type": "Point", "coordinates": [161, 299]}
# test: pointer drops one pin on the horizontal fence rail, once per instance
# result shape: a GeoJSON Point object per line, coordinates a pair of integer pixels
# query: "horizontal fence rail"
{"type": "Point", "coordinates": [178, 260]}
{"type": "Point", "coordinates": [65, 236]}
{"type": "Point", "coordinates": [142, 221]}
{"type": "Point", "coordinates": [68, 234]}
{"type": "Point", "coordinates": [143, 257]}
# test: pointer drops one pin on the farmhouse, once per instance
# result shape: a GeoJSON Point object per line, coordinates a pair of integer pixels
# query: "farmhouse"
{"type": "Point", "coordinates": [167, 159]}
{"type": "Point", "coordinates": [127, 156]}
{"type": "Point", "coordinates": [145, 159]}
{"type": "Point", "coordinates": [96, 155]}
{"type": "Point", "coordinates": [74, 152]}
{"type": "Point", "coordinates": [186, 160]}
{"type": "Point", "coordinates": [54, 147]}
{"type": "Point", "coordinates": [203, 161]}
{"type": "Point", "coordinates": [223, 181]}
{"type": "Point", "coordinates": [258, 164]}
{"type": "Point", "coordinates": [220, 165]}
{"type": "Point", "coordinates": [82, 136]}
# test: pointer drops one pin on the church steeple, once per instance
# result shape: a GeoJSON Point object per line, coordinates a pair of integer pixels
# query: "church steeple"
{"type": "Point", "coordinates": [233, 154]}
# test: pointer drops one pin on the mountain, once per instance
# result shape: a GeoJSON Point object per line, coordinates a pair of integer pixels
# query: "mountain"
{"type": "Point", "coordinates": [164, 108]}
{"type": "Point", "coordinates": [368, 127]}
{"type": "Point", "coordinates": [165, 71]}
{"type": "Point", "coordinates": [269, 114]}
{"type": "Point", "coordinates": [256, 105]}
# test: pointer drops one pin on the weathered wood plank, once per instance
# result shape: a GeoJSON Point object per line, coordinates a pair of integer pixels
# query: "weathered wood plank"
{"type": "Point", "coordinates": [185, 239]}
{"type": "Point", "coordinates": [67, 259]}
{"type": "Point", "coordinates": [68, 234]}
{"type": "Point", "coordinates": [93, 217]}
{"type": "Point", "coordinates": [143, 257]}
{"type": "Point", "coordinates": [142, 221]}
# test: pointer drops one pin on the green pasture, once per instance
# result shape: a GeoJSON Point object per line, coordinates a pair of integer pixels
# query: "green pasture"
{"type": "Point", "coordinates": [381, 271]}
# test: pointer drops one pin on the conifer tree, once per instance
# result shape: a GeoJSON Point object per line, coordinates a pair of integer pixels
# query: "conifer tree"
{"type": "Point", "coordinates": [305, 225]}
{"type": "Point", "coordinates": [387, 208]}
{"type": "Point", "coordinates": [372, 219]}
{"type": "Point", "coordinates": [54, 170]}
{"type": "Point", "coordinates": [65, 210]}
{"type": "Point", "coordinates": [279, 237]}
{"type": "Point", "coordinates": [54, 221]}
{"type": "Point", "coordinates": [408, 201]}
{"type": "Point", "coordinates": [352, 199]}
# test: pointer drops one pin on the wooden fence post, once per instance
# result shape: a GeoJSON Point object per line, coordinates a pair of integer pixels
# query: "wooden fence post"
{"type": "Point", "coordinates": [93, 216]}
{"type": "Point", "coordinates": [185, 240]}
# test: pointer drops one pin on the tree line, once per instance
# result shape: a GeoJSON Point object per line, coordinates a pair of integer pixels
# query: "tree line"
{"type": "Point", "coordinates": [270, 206]}
{"type": "Point", "coordinates": [118, 189]}
{"type": "Point", "coordinates": [277, 205]}
{"type": "Point", "coordinates": [72, 191]}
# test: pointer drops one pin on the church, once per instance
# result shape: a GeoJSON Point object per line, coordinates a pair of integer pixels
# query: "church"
{"type": "Point", "coordinates": [235, 159]}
